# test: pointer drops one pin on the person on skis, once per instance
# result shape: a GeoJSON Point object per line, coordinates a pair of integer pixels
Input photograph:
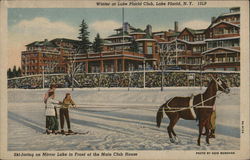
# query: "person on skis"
{"type": "Point", "coordinates": [64, 112]}
{"type": "Point", "coordinates": [46, 96]}
{"type": "Point", "coordinates": [50, 113]}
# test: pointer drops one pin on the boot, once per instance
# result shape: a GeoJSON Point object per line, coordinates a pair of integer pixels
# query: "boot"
{"type": "Point", "coordinates": [212, 134]}
{"type": "Point", "coordinates": [62, 131]}
{"type": "Point", "coordinates": [70, 131]}
{"type": "Point", "coordinates": [48, 131]}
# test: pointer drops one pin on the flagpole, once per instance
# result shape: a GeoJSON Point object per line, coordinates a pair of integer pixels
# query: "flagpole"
{"type": "Point", "coordinates": [122, 29]}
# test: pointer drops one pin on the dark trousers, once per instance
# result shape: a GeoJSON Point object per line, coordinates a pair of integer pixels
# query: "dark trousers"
{"type": "Point", "coordinates": [64, 112]}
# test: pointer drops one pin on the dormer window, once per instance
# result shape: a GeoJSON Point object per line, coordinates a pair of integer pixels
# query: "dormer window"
{"type": "Point", "coordinates": [186, 37]}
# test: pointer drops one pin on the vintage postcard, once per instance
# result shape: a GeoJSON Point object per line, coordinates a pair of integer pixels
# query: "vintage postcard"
{"type": "Point", "coordinates": [113, 79]}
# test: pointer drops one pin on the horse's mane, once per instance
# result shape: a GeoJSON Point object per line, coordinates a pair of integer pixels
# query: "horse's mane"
{"type": "Point", "coordinates": [210, 83]}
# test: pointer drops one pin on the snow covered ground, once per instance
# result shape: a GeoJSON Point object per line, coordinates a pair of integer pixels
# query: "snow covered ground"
{"type": "Point", "coordinates": [117, 119]}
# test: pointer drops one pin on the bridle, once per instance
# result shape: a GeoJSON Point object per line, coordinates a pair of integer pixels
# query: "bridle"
{"type": "Point", "coordinates": [219, 84]}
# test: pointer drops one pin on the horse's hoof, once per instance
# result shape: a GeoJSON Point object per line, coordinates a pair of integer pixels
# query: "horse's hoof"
{"type": "Point", "coordinates": [177, 140]}
{"type": "Point", "coordinates": [198, 143]}
{"type": "Point", "coordinates": [172, 140]}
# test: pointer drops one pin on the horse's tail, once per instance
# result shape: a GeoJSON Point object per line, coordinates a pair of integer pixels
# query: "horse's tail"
{"type": "Point", "coordinates": [159, 115]}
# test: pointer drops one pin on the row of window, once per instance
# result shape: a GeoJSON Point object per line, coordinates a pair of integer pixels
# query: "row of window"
{"type": "Point", "coordinates": [119, 48]}
{"type": "Point", "coordinates": [224, 43]}
{"type": "Point", "coordinates": [189, 61]}
{"type": "Point", "coordinates": [41, 68]}
{"type": "Point", "coordinates": [120, 40]}
{"type": "Point", "coordinates": [47, 49]}
{"type": "Point", "coordinates": [230, 19]}
{"type": "Point", "coordinates": [222, 31]}
{"type": "Point", "coordinates": [40, 61]}
{"type": "Point", "coordinates": [199, 48]}
{"type": "Point", "coordinates": [222, 59]}
{"type": "Point", "coordinates": [199, 37]}
{"type": "Point", "coordinates": [45, 55]}
{"type": "Point", "coordinates": [64, 44]}
{"type": "Point", "coordinates": [186, 37]}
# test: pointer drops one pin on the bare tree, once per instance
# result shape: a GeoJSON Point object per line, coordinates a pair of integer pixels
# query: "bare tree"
{"type": "Point", "coordinates": [166, 55]}
{"type": "Point", "coordinates": [74, 67]}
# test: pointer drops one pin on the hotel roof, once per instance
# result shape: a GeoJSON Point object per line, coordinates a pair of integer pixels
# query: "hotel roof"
{"type": "Point", "coordinates": [197, 31]}
{"type": "Point", "coordinates": [215, 24]}
{"type": "Point", "coordinates": [42, 43]}
{"type": "Point", "coordinates": [223, 48]}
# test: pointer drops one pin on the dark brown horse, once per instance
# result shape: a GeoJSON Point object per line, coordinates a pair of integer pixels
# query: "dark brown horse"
{"type": "Point", "coordinates": [189, 107]}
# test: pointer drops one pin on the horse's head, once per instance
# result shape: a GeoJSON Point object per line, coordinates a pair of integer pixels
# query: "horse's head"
{"type": "Point", "coordinates": [222, 86]}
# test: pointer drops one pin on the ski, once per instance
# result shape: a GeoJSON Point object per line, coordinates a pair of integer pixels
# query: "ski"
{"type": "Point", "coordinates": [75, 133]}
{"type": "Point", "coordinates": [66, 133]}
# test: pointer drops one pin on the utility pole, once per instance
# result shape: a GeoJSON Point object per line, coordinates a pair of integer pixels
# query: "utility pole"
{"type": "Point", "coordinates": [129, 79]}
{"type": "Point", "coordinates": [123, 30]}
{"type": "Point", "coordinates": [99, 81]}
{"type": "Point", "coordinates": [176, 52]}
{"type": "Point", "coordinates": [163, 54]}
{"type": "Point", "coordinates": [144, 74]}
{"type": "Point", "coordinates": [201, 74]}
{"type": "Point", "coordinates": [26, 65]}
{"type": "Point", "coordinates": [43, 77]}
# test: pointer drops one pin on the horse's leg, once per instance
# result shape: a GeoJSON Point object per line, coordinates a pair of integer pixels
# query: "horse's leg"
{"type": "Point", "coordinates": [174, 123]}
{"type": "Point", "coordinates": [200, 132]}
{"type": "Point", "coordinates": [207, 132]}
{"type": "Point", "coordinates": [170, 134]}
{"type": "Point", "coordinates": [170, 127]}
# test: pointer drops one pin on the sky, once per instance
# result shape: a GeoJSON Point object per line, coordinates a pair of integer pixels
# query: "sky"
{"type": "Point", "coordinates": [26, 25]}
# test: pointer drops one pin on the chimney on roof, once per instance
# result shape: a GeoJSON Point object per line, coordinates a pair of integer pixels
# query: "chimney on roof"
{"type": "Point", "coordinates": [126, 27]}
{"type": "Point", "coordinates": [176, 26]}
{"type": "Point", "coordinates": [149, 30]}
{"type": "Point", "coordinates": [213, 19]}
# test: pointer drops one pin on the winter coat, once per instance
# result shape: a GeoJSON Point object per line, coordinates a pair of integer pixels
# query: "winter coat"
{"type": "Point", "coordinates": [50, 107]}
{"type": "Point", "coordinates": [67, 103]}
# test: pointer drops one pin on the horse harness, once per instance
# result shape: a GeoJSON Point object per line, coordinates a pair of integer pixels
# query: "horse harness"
{"type": "Point", "coordinates": [191, 105]}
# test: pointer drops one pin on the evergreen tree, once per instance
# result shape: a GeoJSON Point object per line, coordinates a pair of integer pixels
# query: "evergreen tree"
{"type": "Point", "coordinates": [19, 73]}
{"type": "Point", "coordinates": [97, 45]}
{"type": "Point", "coordinates": [9, 73]}
{"type": "Point", "coordinates": [84, 37]}
{"type": "Point", "coordinates": [14, 71]}
{"type": "Point", "coordinates": [134, 46]}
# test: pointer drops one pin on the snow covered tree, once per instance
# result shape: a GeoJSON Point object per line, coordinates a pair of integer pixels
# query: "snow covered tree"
{"type": "Point", "coordinates": [97, 45]}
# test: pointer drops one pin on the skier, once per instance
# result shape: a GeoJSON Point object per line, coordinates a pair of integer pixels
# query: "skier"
{"type": "Point", "coordinates": [64, 112]}
{"type": "Point", "coordinates": [46, 96]}
{"type": "Point", "coordinates": [50, 113]}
